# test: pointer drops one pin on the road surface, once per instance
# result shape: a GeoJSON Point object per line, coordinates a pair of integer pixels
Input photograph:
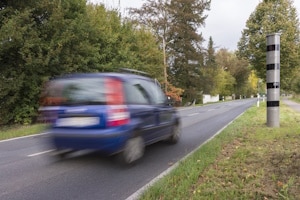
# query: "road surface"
{"type": "Point", "coordinates": [27, 171]}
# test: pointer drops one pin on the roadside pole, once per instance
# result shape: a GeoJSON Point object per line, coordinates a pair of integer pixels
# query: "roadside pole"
{"type": "Point", "coordinates": [273, 79]}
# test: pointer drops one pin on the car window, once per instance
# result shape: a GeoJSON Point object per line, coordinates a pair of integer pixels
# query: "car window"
{"type": "Point", "coordinates": [74, 91]}
{"type": "Point", "coordinates": [136, 94]}
{"type": "Point", "coordinates": [155, 92]}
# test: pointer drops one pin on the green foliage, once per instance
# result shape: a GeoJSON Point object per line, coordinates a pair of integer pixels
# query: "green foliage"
{"type": "Point", "coordinates": [209, 72]}
{"type": "Point", "coordinates": [224, 83]}
{"type": "Point", "coordinates": [43, 39]}
{"type": "Point", "coordinates": [224, 73]}
{"type": "Point", "coordinates": [272, 17]}
{"type": "Point", "coordinates": [238, 72]}
{"type": "Point", "coordinates": [186, 18]}
{"type": "Point", "coordinates": [148, 56]}
{"type": "Point", "coordinates": [121, 45]}
{"type": "Point", "coordinates": [19, 45]}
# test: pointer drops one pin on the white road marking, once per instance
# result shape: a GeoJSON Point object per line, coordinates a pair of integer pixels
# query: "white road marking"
{"type": "Point", "coordinates": [22, 137]}
{"type": "Point", "coordinates": [40, 153]}
{"type": "Point", "coordinates": [192, 114]}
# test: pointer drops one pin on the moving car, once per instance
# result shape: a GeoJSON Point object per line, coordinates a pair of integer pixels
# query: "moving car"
{"type": "Point", "coordinates": [114, 113]}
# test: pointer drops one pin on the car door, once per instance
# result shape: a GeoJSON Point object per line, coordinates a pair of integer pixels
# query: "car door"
{"type": "Point", "coordinates": [142, 110]}
{"type": "Point", "coordinates": [162, 109]}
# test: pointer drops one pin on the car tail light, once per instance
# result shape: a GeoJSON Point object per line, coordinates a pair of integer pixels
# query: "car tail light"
{"type": "Point", "coordinates": [114, 91]}
{"type": "Point", "coordinates": [117, 112]}
{"type": "Point", "coordinates": [117, 116]}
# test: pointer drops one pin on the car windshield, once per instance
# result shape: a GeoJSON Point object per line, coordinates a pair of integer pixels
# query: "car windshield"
{"type": "Point", "coordinates": [87, 91]}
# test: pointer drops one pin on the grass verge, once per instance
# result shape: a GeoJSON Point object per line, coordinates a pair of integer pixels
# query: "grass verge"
{"type": "Point", "coordinates": [9, 132]}
{"type": "Point", "coordinates": [248, 160]}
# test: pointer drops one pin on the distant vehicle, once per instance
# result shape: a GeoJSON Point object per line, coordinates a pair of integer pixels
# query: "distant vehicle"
{"type": "Point", "coordinates": [114, 113]}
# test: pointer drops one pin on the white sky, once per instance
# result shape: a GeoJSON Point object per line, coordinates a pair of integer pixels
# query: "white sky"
{"type": "Point", "coordinates": [225, 22]}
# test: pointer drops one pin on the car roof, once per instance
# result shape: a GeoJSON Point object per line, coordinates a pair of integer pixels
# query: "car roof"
{"type": "Point", "coordinates": [122, 76]}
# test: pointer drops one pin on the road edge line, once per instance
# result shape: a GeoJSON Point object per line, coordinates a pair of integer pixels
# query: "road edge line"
{"type": "Point", "coordinates": [22, 137]}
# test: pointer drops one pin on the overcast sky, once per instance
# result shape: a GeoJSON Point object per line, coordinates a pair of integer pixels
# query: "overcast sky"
{"type": "Point", "coordinates": [225, 22]}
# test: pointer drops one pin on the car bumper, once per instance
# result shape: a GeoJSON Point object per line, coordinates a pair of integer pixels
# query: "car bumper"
{"type": "Point", "coordinates": [108, 142]}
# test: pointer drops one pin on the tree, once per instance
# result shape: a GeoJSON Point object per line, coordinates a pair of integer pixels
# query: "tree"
{"type": "Point", "coordinates": [41, 39]}
{"type": "Point", "coordinates": [272, 16]}
{"type": "Point", "coordinates": [175, 24]}
{"type": "Point", "coordinates": [225, 83]}
{"type": "Point", "coordinates": [122, 45]}
{"type": "Point", "coordinates": [154, 16]}
{"type": "Point", "coordinates": [187, 17]}
{"type": "Point", "coordinates": [210, 70]}
{"type": "Point", "coordinates": [238, 68]}
{"type": "Point", "coordinates": [21, 59]}
{"type": "Point", "coordinates": [253, 83]}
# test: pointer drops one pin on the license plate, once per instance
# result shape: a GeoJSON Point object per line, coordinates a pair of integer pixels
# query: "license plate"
{"type": "Point", "coordinates": [77, 121]}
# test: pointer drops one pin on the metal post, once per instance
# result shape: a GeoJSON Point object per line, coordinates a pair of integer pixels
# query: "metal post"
{"type": "Point", "coordinates": [165, 66]}
{"type": "Point", "coordinates": [273, 79]}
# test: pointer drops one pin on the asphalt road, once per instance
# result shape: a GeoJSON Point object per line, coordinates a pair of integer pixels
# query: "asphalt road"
{"type": "Point", "coordinates": [292, 104]}
{"type": "Point", "coordinates": [27, 171]}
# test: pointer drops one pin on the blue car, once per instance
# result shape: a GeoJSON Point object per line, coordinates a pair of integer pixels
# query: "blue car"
{"type": "Point", "coordinates": [114, 113]}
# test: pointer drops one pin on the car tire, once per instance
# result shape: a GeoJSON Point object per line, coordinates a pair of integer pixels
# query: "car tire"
{"type": "Point", "coordinates": [175, 135]}
{"type": "Point", "coordinates": [133, 150]}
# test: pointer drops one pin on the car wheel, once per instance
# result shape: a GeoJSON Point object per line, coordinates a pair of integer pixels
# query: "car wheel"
{"type": "Point", "coordinates": [133, 150]}
{"type": "Point", "coordinates": [175, 135]}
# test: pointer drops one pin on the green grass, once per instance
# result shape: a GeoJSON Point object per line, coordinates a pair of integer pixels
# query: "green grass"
{"type": "Point", "coordinates": [9, 132]}
{"type": "Point", "coordinates": [248, 160]}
